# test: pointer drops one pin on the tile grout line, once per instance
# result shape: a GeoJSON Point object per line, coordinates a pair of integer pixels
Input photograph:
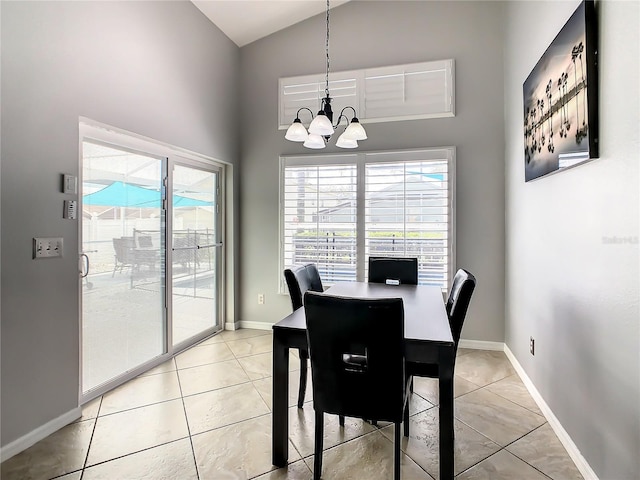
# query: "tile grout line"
{"type": "Point", "coordinates": [487, 387]}
{"type": "Point", "coordinates": [512, 401]}
{"type": "Point", "coordinates": [93, 431]}
{"type": "Point", "coordinates": [186, 418]}
{"type": "Point", "coordinates": [502, 447]}
{"type": "Point", "coordinates": [525, 461]}
{"type": "Point", "coordinates": [136, 451]}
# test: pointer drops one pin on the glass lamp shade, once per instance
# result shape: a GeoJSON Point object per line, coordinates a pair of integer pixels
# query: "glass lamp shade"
{"type": "Point", "coordinates": [344, 142]}
{"type": "Point", "coordinates": [314, 141]}
{"type": "Point", "coordinates": [297, 132]}
{"type": "Point", "coordinates": [321, 125]}
{"type": "Point", "coordinates": [355, 131]}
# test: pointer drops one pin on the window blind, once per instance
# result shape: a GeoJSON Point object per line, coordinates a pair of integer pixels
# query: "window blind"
{"type": "Point", "coordinates": [308, 91]}
{"type": "Point", "coordinates": [409, 91]}
{"type": "Point", "coordinates": [408, 214]}
{"type": "Point", "coordinates": [319, 208]}
{"type": "Point", "coordinates": [399, 92]}
{"type": "Point", "coordinates": [337, 210]}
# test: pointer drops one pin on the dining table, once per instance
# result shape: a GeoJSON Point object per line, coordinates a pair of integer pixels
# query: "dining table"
{"type": "Point", "coordinates": [428, 339]}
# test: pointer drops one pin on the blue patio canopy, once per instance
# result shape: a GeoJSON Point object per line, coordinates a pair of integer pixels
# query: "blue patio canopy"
{"type": "Point", "coordinates": [120, 194]}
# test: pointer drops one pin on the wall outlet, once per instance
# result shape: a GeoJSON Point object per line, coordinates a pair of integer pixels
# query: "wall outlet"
{"type": "Point", "coordinates": [47, 247]}
{"type": "Point", "coordinates": [70, 209]}
{"type": "Point", "coordinates": [261, 299]}
{"type": "Point", "coordinates": [532, 345]}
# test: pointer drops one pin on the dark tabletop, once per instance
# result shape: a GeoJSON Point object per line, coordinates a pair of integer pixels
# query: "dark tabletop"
{"type": "Point", "coordinates": [424, 312]}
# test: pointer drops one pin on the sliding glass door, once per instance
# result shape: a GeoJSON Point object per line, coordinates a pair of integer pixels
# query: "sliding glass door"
{"type": "Point", "coordinates": [195, 251]}
{"type": "Point", "coordinates": [123, 244]}
{"type": "Point", "coordinates": [151, 257]}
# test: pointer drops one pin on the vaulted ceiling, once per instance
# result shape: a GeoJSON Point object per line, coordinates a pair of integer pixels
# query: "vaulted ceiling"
{"type": "Point", "coordinates": [245, 21]}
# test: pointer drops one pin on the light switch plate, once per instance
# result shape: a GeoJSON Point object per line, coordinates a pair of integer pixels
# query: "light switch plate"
{"type": "Point", "coordinates": [47, 247]}
{"type": "Point", "coordinates": [69, 184]}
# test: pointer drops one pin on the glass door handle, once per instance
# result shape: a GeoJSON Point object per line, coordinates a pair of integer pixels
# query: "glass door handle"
{"type": "Point", "coordinates": [86, 264]}
{"type": "Point", "coordinates": [197, 247]}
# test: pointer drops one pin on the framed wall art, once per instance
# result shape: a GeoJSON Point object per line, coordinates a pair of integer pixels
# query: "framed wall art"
{"type": "Point", "coordinates": [561, 99]}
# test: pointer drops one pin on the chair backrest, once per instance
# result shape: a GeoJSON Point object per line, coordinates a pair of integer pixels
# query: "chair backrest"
{"type": "Point", "coordinates": [145, 241]}
{"type": "Point", "coordinates": [299, 280]}
{"type": "Point", "coordinates": [403, 270]}
{"type": "Point", "coordinates": [123, 249]}
{"type": "Point", "coordinates": [464, 283]}
{"type": "Point", "coordinates": [339, 328]}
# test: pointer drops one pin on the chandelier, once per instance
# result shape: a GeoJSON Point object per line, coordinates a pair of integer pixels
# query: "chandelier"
{"type": "Point", "coordinates": [322, 127]}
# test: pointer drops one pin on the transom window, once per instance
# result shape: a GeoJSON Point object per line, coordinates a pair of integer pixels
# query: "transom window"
{"type": "Point", "coordinates": [339, 209]}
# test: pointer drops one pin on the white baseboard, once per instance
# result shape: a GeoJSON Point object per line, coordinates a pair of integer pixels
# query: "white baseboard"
{"type": "Point", "coordinates": [39, 433]}
{"type": "Point", "coordinates": [254, 325]}
{"type": "Point", "coordinates": [481, 345]}
{"type": "Point", "coordinates": [573, 451]}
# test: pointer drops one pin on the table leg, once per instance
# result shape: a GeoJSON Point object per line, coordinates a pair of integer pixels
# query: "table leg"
{"type": "Point", "coordinates": [280, 392]}
{"type": "Point", "coordinates": [446, 363]}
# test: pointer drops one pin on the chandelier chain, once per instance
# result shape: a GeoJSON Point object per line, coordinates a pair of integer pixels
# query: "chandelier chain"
{"type": "Point", "coordinates": [326, 89]}
{"type": "Point", "coordinates": [321, 127]}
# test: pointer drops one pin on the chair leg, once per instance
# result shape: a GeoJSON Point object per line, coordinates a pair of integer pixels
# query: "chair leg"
{"type": "Point", "coordinates": [341, 420]}
{"type": "Point", "coordinates": [405, 420]}
{"type": "Point", "coordinates": [317, 461]}
{"type": "Point", "coordinates": [396, 453]}
{"type": "Point", "coordinates": [303, 377]}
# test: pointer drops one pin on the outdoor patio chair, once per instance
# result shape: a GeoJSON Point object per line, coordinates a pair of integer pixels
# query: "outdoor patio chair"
{"type": "Point", "coordinates": [124, 255]}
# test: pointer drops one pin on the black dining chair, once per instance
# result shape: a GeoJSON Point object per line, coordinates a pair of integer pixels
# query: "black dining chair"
{"type": "Point", "coordinates": [462, 287]}
{"type": "Point", "coordinates": [339, 329]}
{"type": "Point", "coordinates": [299, 280]}
{"type": "Point", "coordinates": [393, 270]}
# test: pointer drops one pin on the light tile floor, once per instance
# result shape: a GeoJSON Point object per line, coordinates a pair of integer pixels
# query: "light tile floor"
{"type": "Point", "coordinates": [207, 415]}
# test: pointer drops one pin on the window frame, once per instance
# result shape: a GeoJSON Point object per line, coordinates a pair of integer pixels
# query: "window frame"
{"type": "Point", "coordinates": [360, 160]}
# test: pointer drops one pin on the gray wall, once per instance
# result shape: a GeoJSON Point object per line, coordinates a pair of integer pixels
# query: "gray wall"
{"type": "Point", "coordinates": [371, 34]}
{"type": "Point", "coordinates": [158, 69]}
{"type": "Point", "coordinates": [567, 286]}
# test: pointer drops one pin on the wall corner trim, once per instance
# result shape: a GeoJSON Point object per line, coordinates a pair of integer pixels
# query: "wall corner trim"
{"type": "Point", "coordinates": [573, 451]}
{"type": "Point", "coordinates": [43, 431]}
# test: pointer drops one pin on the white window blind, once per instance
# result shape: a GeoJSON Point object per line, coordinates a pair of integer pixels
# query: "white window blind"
{"type": "Point", "coordinates": [308, 91]}
{"type": "Point", "coordinates": [399, 92]}
{"type": "Point", "coordinates": [408, 213]}
{"type": "Point", "coordinates": [319, 224]}
{"type": "Point", "coordinates": [340, 209]}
